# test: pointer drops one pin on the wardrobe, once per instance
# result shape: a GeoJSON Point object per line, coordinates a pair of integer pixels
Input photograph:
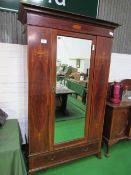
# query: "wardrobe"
{"type": "Point", "coordinates": [46, 30]}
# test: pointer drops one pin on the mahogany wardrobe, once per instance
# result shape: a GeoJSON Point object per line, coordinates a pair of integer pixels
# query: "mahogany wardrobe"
{"type": "Point", "coordinates": [48, 30]}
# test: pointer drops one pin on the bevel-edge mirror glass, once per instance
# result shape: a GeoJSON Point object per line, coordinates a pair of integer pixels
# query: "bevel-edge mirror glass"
{"type": "Point", "coordinates": [72, 75]}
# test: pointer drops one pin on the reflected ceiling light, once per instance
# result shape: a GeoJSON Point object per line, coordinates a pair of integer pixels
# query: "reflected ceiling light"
{"type": "Point", "coordinates": [24, 0]}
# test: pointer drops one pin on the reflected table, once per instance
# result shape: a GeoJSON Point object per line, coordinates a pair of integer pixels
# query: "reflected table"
{"type": "Point", "coordinates": [80, 88]}
{"type": "Point", "coordinates": [62, 95]}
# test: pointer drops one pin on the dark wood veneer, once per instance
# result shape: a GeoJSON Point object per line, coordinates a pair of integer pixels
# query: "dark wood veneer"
{"type": "Point", "coordinates": [48, 23]}
{"type": "Point", "coordinates": [117, 125]}
{"type": "Point", "coordinates": [67, 25]}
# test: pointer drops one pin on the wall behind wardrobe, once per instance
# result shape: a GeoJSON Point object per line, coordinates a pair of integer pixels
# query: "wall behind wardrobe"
{"type": "Point", "coordinates": [11, 30]}
{"type": "Point", "coordinates": [119, 11]}
{"type": "Point", "coordinates": [13, 82]}
{"type": "Point", "coordinates": [13, 64]}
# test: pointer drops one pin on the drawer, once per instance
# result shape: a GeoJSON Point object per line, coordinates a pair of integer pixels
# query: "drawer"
{"type": "Point", "coordinates": [41, 161]}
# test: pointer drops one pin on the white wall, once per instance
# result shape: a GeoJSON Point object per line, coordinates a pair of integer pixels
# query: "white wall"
{"type": "Point", "coordinates": [13, 83]}
{"type": "Point", "coordinates": [120, 67]}
{"type": "Point", "coordinates": [13, 79]}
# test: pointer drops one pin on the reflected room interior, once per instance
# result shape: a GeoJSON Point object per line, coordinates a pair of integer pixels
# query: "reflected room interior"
{"type": "Point", "coordinates": [72, 75]}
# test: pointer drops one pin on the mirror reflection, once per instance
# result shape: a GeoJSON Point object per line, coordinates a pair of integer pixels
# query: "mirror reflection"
{"type": "Point", "coordinates": [72, 74]}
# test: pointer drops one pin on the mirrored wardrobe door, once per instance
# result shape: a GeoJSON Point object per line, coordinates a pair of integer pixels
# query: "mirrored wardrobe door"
{"type": "Point", "coordinates": [73, 58]}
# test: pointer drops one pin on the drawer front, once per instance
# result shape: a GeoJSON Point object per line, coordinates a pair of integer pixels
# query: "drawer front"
{"type": "Point", "coordinates": [41, 161]}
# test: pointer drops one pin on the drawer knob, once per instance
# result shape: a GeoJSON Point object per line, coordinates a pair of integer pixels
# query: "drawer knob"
{"type": "Point", "coordinates": [85, 149]}
{"type": "Point", "coordinates": [52, 158]}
